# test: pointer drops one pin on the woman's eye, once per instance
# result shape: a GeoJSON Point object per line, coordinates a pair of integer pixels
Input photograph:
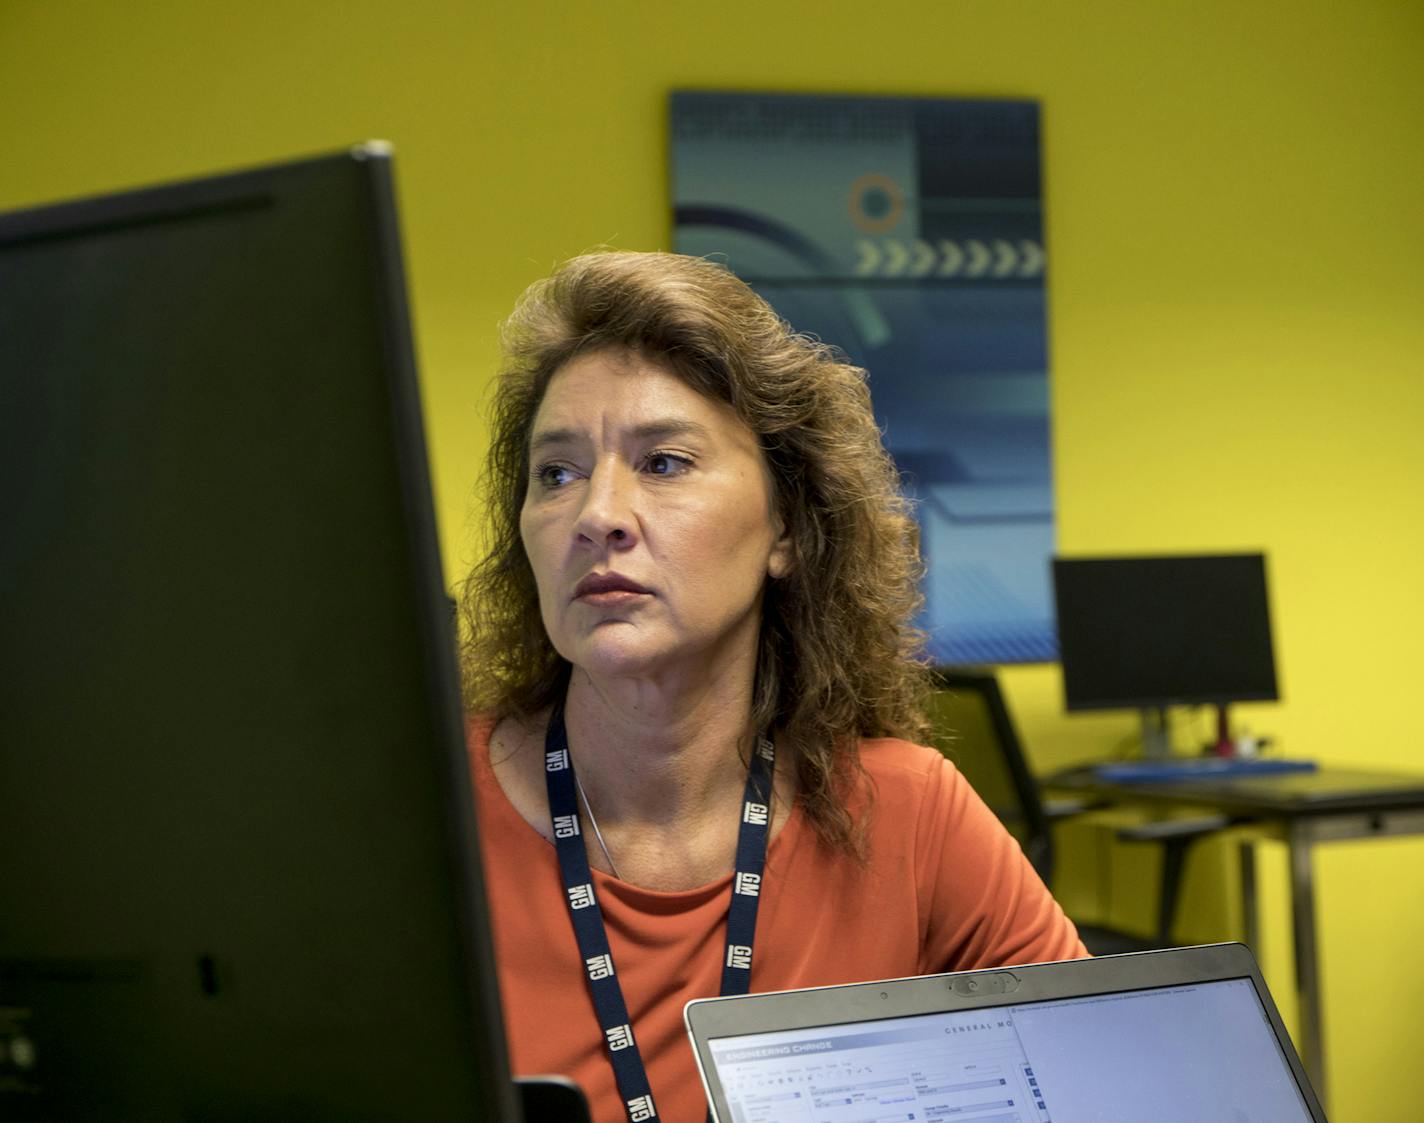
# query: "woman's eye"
{"type": "Point", "coordinates": [552, 475]}
{"type": "Point", "coordinates": [666, 464]}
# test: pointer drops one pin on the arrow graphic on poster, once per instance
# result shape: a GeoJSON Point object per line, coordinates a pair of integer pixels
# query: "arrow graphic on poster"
{"type": "Point", "coordinates": [896, 257]}
{"type": "Point", "coordinates": [1032, 258]}
{"type": "Point", "coordinates": [869, 258]}
{"type": "Point", "coordinates": [923, 260]}
{"type": "Point", "coordinates": [953, 258]}
{"type": "Point", "coordinates": [1007, 258]}
{"type": "Point", "coordinates": [978, 258]}
{"type": "Point", "coordinates": [999, 259]}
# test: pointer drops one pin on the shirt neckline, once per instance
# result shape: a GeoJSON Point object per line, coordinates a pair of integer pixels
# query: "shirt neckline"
{"type": "Point", "coordinates": [480, 730]}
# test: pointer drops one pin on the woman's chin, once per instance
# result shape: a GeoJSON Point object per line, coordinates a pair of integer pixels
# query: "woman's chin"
{"type": "Point", "coordinates": [622, 650]}
{"type": "Point", "coordinates": [610, 656]}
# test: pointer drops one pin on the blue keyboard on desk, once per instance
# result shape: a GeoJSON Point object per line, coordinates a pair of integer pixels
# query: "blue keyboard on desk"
{"type": "Point", "coordinates": [1197, 768]}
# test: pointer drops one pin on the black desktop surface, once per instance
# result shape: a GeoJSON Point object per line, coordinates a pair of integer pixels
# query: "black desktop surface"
{"type": "Point", "coordinates": [238, 865]}
{"type": "Point", "coordinates": [1282, 795]}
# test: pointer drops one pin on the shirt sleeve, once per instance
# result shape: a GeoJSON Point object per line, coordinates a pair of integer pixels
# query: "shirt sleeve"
{"type": "Point", "coordinates": [982, 904]}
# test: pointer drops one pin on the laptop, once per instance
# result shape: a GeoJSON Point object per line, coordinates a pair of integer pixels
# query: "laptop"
{"type": "Point", "coordinates": [1175, 1036]}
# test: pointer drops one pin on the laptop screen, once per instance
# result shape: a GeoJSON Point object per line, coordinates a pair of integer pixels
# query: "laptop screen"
{"type": "Point", "coordinates": [1178, 1054]}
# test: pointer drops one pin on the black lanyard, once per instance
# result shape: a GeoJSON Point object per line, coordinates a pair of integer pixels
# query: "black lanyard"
{"type": "Point", "coordinates": [587, 917]}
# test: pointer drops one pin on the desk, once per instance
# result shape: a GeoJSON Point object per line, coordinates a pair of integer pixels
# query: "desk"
{"type": "Point", "coordinates": [1299, 809]}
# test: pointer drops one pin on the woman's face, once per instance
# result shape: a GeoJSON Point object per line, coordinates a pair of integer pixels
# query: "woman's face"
{"type": "Point", "coordinates": [649, 521]}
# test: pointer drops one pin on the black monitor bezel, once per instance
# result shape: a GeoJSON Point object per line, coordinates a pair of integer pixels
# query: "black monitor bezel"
{"type": "Point", "coordinates": [370, 168]}
{"type": "Point", "coordinates": [1076, 702]}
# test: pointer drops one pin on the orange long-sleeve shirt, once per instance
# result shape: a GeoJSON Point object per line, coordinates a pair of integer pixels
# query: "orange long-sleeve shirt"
{"type": "Point", "coordinates": [945, 889]}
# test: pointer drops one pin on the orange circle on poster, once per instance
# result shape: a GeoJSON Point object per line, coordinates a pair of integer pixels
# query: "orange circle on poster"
{"type": "Point", "coordinates": [876, 203]}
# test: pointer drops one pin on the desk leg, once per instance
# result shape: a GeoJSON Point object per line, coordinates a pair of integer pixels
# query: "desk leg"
{"type": "Point", "coordinates": [1250, 916]}
{"type": "Point", "coordinates": [1307, 957]}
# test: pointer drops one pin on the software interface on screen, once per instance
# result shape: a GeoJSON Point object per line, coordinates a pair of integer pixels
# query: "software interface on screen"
{"type": "Point", "coordinates": [1172, 1054]}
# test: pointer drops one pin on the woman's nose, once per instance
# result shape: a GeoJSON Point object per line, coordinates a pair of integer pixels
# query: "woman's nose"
{"type": "Point", "coordinates": [607, 514]}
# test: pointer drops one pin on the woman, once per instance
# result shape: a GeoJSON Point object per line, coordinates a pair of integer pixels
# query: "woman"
{"type": "Point", "coordinates": [690, 649]}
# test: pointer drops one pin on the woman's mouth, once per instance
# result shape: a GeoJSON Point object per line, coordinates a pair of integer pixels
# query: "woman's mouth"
{"type": "Point", "coordinates": [609, 590]}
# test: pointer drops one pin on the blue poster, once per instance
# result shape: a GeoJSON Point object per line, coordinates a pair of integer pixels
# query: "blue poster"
{"type": "Point", "coordinates": [909, 233]}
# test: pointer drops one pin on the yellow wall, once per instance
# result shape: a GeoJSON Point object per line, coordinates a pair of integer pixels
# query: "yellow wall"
{"type": "Point", "coordinates": [1235, 232]}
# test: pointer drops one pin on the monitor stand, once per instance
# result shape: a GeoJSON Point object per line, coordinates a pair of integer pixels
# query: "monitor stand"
{"type": "Point", "coordinates": [1156, 744]}
{"type": "Point", "coordinates": [1224, 746]}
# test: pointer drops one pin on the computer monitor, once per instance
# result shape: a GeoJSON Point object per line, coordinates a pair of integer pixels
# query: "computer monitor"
{"type": "Point", "coordinates": [1151, 632]}
{"type": "Point", "coordinates": [238, 865]}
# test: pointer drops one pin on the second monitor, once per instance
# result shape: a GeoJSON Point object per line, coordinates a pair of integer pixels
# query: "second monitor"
{"type": "Point", "coordinates": [1149, 632]}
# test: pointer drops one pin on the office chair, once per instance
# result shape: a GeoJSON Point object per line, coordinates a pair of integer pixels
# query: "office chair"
{"type": "Point", "coordinates": [971, 726]}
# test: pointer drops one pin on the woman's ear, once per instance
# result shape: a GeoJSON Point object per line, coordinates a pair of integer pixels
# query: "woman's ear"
{"type": "Point", "coordinates": [778, 564]}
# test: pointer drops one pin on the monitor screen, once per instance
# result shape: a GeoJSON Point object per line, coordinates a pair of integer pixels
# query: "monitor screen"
{"type": "Point", "coordinates": [238, 869]}
{"type": "Point", "coordinates": [1139, 632]}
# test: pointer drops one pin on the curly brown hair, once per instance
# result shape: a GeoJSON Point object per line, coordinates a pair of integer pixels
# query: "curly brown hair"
{"type": "Point", "coordinates": [838, 656]}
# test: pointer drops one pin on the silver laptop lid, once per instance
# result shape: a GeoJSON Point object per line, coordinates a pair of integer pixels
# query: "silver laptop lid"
{"type": "Point", "coordinates": [1175, 1036]}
